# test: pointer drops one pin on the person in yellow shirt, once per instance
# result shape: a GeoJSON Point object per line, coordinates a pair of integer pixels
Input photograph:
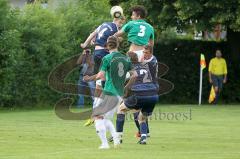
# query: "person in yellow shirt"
{"type": "Point", "coordinates": [217, 73]}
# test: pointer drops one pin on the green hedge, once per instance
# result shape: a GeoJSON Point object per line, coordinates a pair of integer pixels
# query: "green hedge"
{"type": "Point", "coordinates": [182, 57]}
{"type": "Point", "coordinates": [34, 40]}
{"type": "Point", "coordinates": [10, 50]}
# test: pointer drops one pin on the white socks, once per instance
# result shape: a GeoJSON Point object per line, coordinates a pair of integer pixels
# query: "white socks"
{"type": "Point", "coordinates": [110, 127]}
{"type": "Point", "coordinates": [119, 135]}
{"type": "Point", "coordinates": [102, 126]}
{"type": "Point", "coordinates": [101, 131]}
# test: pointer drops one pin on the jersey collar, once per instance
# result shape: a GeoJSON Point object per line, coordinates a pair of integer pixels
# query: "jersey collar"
{"type": "Point", "coordinates": [148, 59]}
{"type": "Point", "coordinates": [140, 20]}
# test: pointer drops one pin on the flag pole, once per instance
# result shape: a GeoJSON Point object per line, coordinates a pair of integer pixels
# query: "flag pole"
{"type": "Point", "coordinates": [202, 66]}
{"type": "Point", "coordinates": [200, 87]}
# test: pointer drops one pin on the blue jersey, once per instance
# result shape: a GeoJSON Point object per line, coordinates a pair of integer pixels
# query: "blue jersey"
{"type": "Point", "coordinates": [153, 68]}
{"type": "Point", "coordinates": [144, 84]}
{"type": "Point", "coordinates": [104, 31]}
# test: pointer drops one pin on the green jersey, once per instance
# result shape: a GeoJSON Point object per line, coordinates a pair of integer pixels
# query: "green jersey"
{"type": "Point", "coordinates": [139, 32]}
{"type": "Point", "coordinates": [115, 66]}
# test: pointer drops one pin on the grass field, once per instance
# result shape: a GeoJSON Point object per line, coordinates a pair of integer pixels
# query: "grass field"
{"type": "Point", "coordinates": [211, 132]}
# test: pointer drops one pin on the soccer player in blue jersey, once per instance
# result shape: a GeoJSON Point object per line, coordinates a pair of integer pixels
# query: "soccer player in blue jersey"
{"type": "Point", "coordinates": [153, 67]}
{"type": "Point", "coordinates": [145, 93]}
{"type": "Point", "coordinates": [100, 36]}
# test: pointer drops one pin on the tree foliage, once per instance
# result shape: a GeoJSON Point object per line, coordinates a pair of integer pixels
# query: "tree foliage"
{"type": "Point", "coordinates": [10, 50]}
{"type": "Point", "coordinates": [203, 13]}
{"type": "Point", "coordinates": [35, 39]}
{"type": "Point", "coordinates": [81, 18]}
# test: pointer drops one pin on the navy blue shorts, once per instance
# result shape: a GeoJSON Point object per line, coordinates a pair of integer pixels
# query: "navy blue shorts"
{"type": "Point", "coordinates": [98, 55]}
{"type": "Point", "coordinates": [144, 103]}
{"type": "Point", "coordinates": [217, 81]}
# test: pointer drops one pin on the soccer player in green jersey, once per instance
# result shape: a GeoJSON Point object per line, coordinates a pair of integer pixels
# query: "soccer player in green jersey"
{"type": "Point", "coordinates": [113, 70]}
{"type": "Point", "coordinates": [139, 32]}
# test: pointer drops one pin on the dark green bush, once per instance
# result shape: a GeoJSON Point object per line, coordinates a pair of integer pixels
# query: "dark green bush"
{"type": "Point", "coordinates": [182, 57]}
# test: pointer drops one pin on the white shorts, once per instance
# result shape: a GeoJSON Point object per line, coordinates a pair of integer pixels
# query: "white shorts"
{"type": "Point", "coordinates": [139, 54]}
{"type": "Point", "coordinates": [99, 82]}
{"type": "Point", "coordinates": [106, 106]}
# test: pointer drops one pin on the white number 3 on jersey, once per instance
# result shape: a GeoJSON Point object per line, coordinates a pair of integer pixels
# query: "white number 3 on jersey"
{"type": "Point", "coordinates": [142, 31]}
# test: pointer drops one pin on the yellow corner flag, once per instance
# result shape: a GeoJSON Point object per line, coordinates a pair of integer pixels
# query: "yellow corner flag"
{"type": "Point", "coordinates": [202, 62]}
{"type": "Point", "coordinates": [212, 95]}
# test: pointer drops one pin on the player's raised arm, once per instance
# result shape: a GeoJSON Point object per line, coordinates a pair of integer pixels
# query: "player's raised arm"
{"type": "Point", "coordinates": [119, 33]}
{"type": "Point", "coordinates": [124, 29]}
{"type": "Point", "coordinates": [89, 39]}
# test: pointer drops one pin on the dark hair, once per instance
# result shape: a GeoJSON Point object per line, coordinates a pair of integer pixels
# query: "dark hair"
{"type": "Point", "coordinates": [133, 56]}
{"type": "Point", "coordinates": [112, 42]}
{"type": "Point", "coordinates": [149, 47]}
{"type": "Point", "coordinates": [139, 10]}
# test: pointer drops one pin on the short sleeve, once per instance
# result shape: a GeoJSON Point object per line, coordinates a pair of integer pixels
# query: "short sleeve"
{"type": "Point", "coordinates": [152, 35]}
{"type": "Point", "coordinates": [210, 66]}
{"type": "Point", "coordinates": [225, 67]}
{"type": "Point", "coordinates": [127, 27]}
{"type": "Point", "coordinates": [98, 28]}
{"type": "Point", "coordinates": [105, 64]}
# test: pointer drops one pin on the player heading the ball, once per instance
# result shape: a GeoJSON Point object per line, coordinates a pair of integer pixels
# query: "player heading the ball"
{"type": "Point", "coordinates": [140, 33]}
